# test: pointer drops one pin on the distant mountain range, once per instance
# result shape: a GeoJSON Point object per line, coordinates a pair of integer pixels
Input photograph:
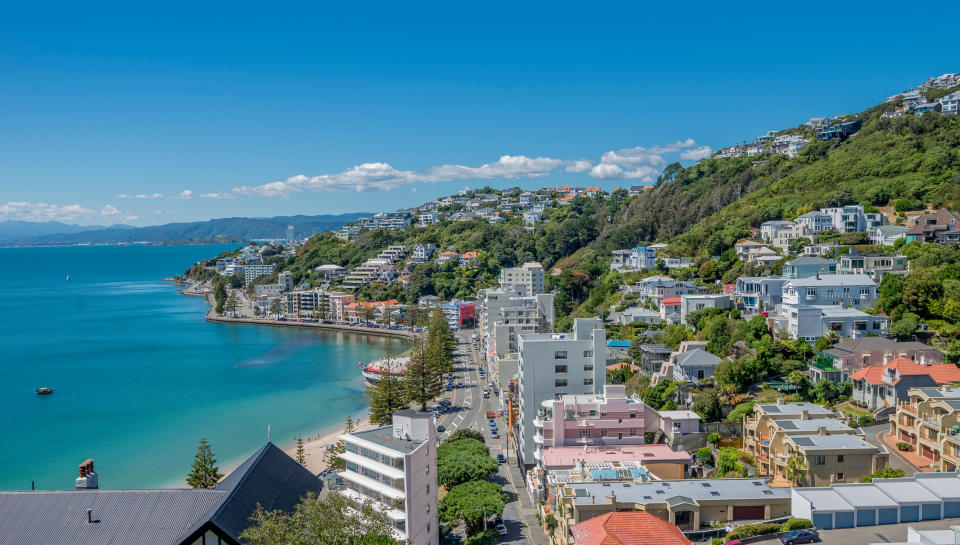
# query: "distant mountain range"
{"type": "Point", "coordinates": [22, 233]}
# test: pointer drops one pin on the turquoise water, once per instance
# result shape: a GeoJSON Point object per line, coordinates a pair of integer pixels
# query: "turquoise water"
{"type": "Point", "coordinates": [139, 376]}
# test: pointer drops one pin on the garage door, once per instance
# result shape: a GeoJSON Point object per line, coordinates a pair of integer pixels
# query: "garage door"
{"type": "Point", "coordinates": [951, 509]}
{"type": "Point", "coordinates": [930, 511]}
{"type": "Point", "coordinates": [843, 520]}
{"type": "Point", "coordinates": [866, 517]}
{"type": "Point", "coordinates": [887, 516]}
{"type": "Point", "coordinates": [823, 521]}
{"type": "Point", "coordinates": [747, 512]}
{"type": "Point", "coordinates": [909, 513]}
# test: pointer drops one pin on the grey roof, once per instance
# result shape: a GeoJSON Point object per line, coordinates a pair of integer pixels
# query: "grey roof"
{"type": "Point", "coordinates": [906, 490]}
{"type": "Point", "coordinates": [879, 343]}
{"type": "Point", "coordinates": [824, 499]}
{"type": "Point", "coordinates": [656, 348]}
{"type": "Point", "coordinates": [807, 260]}
{"type": "Point", "coordinates": [384, 437]}
{"type": "Point", "coordinates": [830, 442]}
{"type": "Point", "coordinates": [697, 357]}
{"type": "Point", "coordinates": [944, 485]}
{"type": "Point", "coordinates": [794, 424]}
{"type": "Point", "coordinates": [864, 495]}
{"type": "Point", "coordinates": [936, 392]}
{"type": "Point", "coordinates": [640, 311]}
{"type": "Point", "coordinates": [794, 408]}
{"type": "Point", "coordinates": [834, 280]}
{"type": "Point", "coordinates": [685, 490]}
{"type": "Point", "coordinates": [156, 517]}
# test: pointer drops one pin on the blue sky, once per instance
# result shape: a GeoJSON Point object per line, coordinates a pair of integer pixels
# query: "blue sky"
{"type": "Point", "coordinates": [233, 109]}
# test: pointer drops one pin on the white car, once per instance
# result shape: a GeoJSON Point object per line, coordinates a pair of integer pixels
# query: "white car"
{"type": "Point", "coordinates": [502, 529]}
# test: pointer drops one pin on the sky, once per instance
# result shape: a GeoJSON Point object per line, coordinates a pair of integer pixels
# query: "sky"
{"type": "Point", "coordinates": [147, 113]}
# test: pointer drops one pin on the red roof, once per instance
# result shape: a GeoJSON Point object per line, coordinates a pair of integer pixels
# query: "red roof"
{"type": "Point", "coordinates": [615, 366]}
{"type": "Point", "coordinates": [628, 528]}
{"type": "Point", "coordinates": [671, 301]}
{"type": "Point", "coordinates": [941, 373]}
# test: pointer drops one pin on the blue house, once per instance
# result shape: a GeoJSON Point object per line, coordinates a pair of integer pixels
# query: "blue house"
{"type": "Point", "coordinates": [807, 267]}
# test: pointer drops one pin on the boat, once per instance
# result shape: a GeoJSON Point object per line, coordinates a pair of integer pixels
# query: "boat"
{"type": "Point", "coordinates": [68, 278]}
{"type": "Point", "coordinates": [44, 391]}
{"type": "Point", "coordinates": [374, 371]}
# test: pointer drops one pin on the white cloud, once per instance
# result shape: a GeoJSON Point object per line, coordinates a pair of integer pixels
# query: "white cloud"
{"type": "Point", "coordinates": [696, 154]}
{"type": "Point", "coordinates": [218, 195]}
{"type": "Point", "coordinates": [131, 218]}
{"type": "Point", "coordinates": [581, 165]}
{"type": "Point", "coordinates": [607, 171]}
{"type": "Point", "coordinates": [158, 212]}
{"type": "Point", "coordinates": [26, 211]}
{"type": "Point", "coordinates": [140, 196]}
{"type": "Point", "coordinates": [184, 195]}
{"type": "Point", "coordinates": [644, 163]}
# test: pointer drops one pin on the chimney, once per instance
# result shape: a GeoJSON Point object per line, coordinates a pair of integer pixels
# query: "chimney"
{"type": "Point", "coordinates": [804, 415]}
{"type": "Point", "coordinates": [780, 401]}
{"type": "Point", "coordinates": [822, 430]}
{"type": "Point", "coordinates": [88, 477]}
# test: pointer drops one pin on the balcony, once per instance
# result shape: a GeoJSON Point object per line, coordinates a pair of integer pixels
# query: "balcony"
{"type": "Point", "coordinates": [538, 439]}
{"type": "Point", "coordinates": [538, 422]}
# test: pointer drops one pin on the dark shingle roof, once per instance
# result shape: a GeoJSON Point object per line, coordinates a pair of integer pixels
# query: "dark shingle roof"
{"type": "Point", "coordinates": [155, 517]}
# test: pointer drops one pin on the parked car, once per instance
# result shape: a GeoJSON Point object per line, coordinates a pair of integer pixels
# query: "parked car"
{"type": "Point", "coordinates": [441, 429]}
{"type": "Point", "coordinates": [501, 459]}
{"type": "Point", "coordinates": [800, 536]}
{"type": "Point", "coordinates": [502, 529]}
{"type": "Point", "coordinates": [448, 388]}
{"type": "Point", "coordinates": [493, 434]}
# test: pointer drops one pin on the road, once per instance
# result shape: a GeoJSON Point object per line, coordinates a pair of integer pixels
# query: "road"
{"type": "Point", "coordinates": [872, 435]}
{"type": "Point", "coordinates": [470, 412]}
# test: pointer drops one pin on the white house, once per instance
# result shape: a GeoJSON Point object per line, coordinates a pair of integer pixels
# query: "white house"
{"type": "Point", "coordinates": [886, 235]}
{"type": "Point", "coordinates": [693, 303]}
{"type": "Point", "coordinates": [847, 290]}
{"type": "Point", "coordinates": [810, 322]}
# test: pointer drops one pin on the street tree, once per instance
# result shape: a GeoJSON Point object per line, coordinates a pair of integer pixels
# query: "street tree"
{"type": "Point", "coordinates": [386, 397]}
{"type": "Point", "coordinates": [463, 460]}
{"type": "Point", "coordinates": [276, 307]}
{"type": "Point", "coordinates": [470, 503]}
{"type": "Point", "coordinates": [420, 379]}
{"type": "Point", "coordinates": [232, 303]}
{"type": "Point", "coordinates": [332, 520]}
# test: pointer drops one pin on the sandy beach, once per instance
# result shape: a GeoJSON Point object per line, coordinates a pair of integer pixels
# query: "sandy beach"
{"type": "Point", "coordinates": [315, 445]}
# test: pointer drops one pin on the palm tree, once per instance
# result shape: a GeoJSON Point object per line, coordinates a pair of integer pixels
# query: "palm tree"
{"type": "Point", "coordinates": [796, 469]}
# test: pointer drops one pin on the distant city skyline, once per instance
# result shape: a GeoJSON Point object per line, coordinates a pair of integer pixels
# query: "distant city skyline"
{"type": "Point", "coordinates": [119, 114]}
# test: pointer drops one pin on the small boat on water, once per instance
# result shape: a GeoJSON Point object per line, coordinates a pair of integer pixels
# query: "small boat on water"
{"type": "Point", "coordinates": [44, 391]}
{"type": "Point", "coordinates": [68, 278]}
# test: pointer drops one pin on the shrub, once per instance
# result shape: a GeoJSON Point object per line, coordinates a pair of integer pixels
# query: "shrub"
{"type": "Point", "coordinates": [550, 523]}
{"type": "Point", "coordinates": [885, 473]}
{"type": "Point", "coordinates": [795, 524]}
{"type": "Point", "coordinates": [705, 455]}
{"type": "Point", "coordinates": [904, 446]}
{"type": "Point", "coordinates": [717, 541]}
{"type": "Point", "coordinates": [751, 530]}
{"type": "Point", "coordinates": [488, 537]}
{"type": "Point", "coordinates": [714, 439]}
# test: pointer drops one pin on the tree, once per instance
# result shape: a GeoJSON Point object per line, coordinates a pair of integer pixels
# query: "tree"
{"type": "Point", "coordinates": [232, 303]}
{"type": "Point", "coordinates": [441, 343]}
{"type": "Point", "coordinates": [329, 521]}
{"type": "Point", "coordinates": [323, 309]}
{"type": "Point", "coordinates": [707, 405]}
{"type": "Point", "coordinates": [333, 456]}
{"type": "Point", "coordinates": [386, 397]}
{"type": "Point", "coordinates": [276, 307]}
{"type": "Point", "coordinates": [704, 456]}
{"type": "Point", "coordinates": [885, 473]}
{"type": "Point", "coordinates": [740, 411]}
{"type": "Point", "coordinates": [464, 433]}
{"type": "Point", "coordinates": [470, 502]}
{"type": "Point", "coordinates": [904, 328]}
{"type": "Point", "coordinates": [420, 379]}
{"type": "Point", "coordinates": [204, 472]}
{"type": "Point", "coordinates": [796, 469]}
{"type": "Point", "coordinates": [714, 439]}
{"type": "Point", "coordinates": [462, 461]}
{"type": "Point", "coordinates": [220, 296]}
{"type": "Point", "coordinates": [550, 523]}
{"type": "Point", "coordinates": [301, 456]}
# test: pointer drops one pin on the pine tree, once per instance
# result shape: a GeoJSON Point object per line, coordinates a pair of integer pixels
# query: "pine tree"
{"type": "Point", "coordinates": [204, 472]}
{"type": "Point", "coordinates": [301, 453]}
{"type": "Point", "coordinates": [232, 303]}
{"type": "Point", "coordinates": [421, 378]}
{"type": "Point", "coordinates": [440, 345]}
{"type": "Point", "coordinates": [386, 397]}
{"type": "Point", "coordinates": [333, 455]}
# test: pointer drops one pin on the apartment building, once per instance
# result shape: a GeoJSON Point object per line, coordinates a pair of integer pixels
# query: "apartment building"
{"type": "Point", "coordinates": [525, 280]}
{"type": "Point", "coordinates": [930, 421]}
{"type": "Point", "coordinates": [551, 365]}
{"type": "Point", "coordinates": [686, 503]}
{"type": "Point", "coordinates": [423, 252]}
{"type": "Point", "coordinates": [429, 218]}
{"type": "Point", "coordinates": [808, 267]}
{"type": "Point", "coordinates": [757, 426]}
{"type": "Point", "coordinates": [252, 271]}
{"type": "Point", "coordinates": [832, 458]}
{"type": "Point", "coordinates": [505, 316]}
{"type": "Point", "coordinates": [773, 455]}
{"type": "Point", "coordinates": [846, 290]}
{"type": "Point", "coordinates": [781, 233]}
{"type": "Point", "coordinates": [852, 218]}
{"type": "Point", "coordinates": [815, 221]}
{"type": "Point", "coordinates": [395, 468]}
{"type": "Point", "coordinates": [854, 354]}
{"type": "Point", "coordinates": [886, 385]}
{"type": "Point", "coordinates": [874, 266]}
{"type": "Point", "coordinates": [601, 419]}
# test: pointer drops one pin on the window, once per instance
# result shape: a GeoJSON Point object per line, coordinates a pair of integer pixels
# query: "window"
{"type": "Point", "coordinates": [588, 367]}
{"type": "Point", "coordinates": [559, 368]}
{"type": "Point", "coordinates": [560, 355]}
{"type": "Point", "coordinates": [840, 458]}
{"type": "Point", "coordinates": [700, 374]}
{"type": "Point", "coordinates": [839, 476]}
{"type": "Point", "coordinates": [588, 353]}
{"type": "Point", "coordinates": [588, 382]}
{"type": "Point", "coordinates": [560, 383]}
{"type": "Point", "coordinates": [819, 460]}
{"type": "Point", "coordinates": [633, 415]}
{"type": "Point", "coordinates": [585, 433]}
{"type": "Point", "coordinates": [633, 432]}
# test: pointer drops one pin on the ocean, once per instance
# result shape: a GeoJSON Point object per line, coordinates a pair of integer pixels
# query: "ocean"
{"type": "Point", "coordinates": [139, 376]}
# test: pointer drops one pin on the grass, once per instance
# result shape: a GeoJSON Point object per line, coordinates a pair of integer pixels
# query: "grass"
{"type": "Point", "coordinates": [852, 411]}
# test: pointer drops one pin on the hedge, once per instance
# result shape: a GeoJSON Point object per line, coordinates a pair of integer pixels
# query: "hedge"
{"type": "Point", "coordinates": [751, 530]}
{"type": "Point", "coordinates": [795, 524]}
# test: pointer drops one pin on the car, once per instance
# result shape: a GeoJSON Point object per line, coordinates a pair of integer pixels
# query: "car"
{"type": "Point", "coordinates": [491, 414]}
{"type": "Point", "coordinates": [441, 429]}
{"type": "Point", "coordinates": [501, 459]}
{"type": "Point", "coordinates": [800, 536]}
{"type": "Point", "coordinates": [494, 434]}
{"type": "Point", "coordinates": [446, 402]}
{"type": "Point", "coordinates": [459, 385]}
{"type": "Point", "coordinates": [501, 529]}
{"type": "Point", "coordinates": [448, 388]}
{"type": "Point", "coordinates": [486, 393]}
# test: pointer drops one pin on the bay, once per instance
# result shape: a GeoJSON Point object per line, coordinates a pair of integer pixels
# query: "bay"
{"type": "Point", "coordinates": [139, 376]}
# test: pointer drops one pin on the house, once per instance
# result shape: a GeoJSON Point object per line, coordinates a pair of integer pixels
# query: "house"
{"type": "Point", "coordinates": [806, 267]}
{"type": "Point", "coordinates": [744, 247]}
{"type": "Point", "coordinates": [886, 235]}
{"type": "Point", "coordinates": [670, 310]}
{"type": "Point", "coordinates": [873, 265]}
{"type": "Point", "coordinates": [687, 503]}
{"type": "Point", "coordinates": [759, 293]}
{"type": "Point", "coordinates": [855, 354]}
{"type": "Point", "coordinates": [423, 252]}
{"type": "Point", "coordinates": [675, 424]}
{"type": "Point", "coordinates": [926, 421]}
{"type": "Point", "coordinates": [950, 104]}
{"type": "Point", "coordinates": [926, 107]}
{"type": "Point", "coordinates": [815, 221]}
{"type": "Point", "coordinates": [556, 364]}
{"type": "Point", "coordinates": [771, 450]}
{"type": "Point", "coordinates": [444, 257]}
{"type": "Point", "coordinates": [429, 218]}
{"type": "Point", "coordinates": [781, 233]}
{"type": "Point", "coordinates": [394, 468]}
{"type": "Point", "coordinates": [885, 385]}
{"type": "Point", "coordinates": [925, 496]}
{"type": "Point", "coordinates": [815, 122]}
{"type": "Point", "coordinates": [788, 144]}
{"type": "Point", "coordinates": [466, 260]}
{"type": "Point", "coordinates": [810, 322]}
{"type": "Point", "coordinates": [841, 290]}
{"type": "Point", "coordinates": [852, 218]}
{"type": "Point", "coordinates": [639, 315]}
{"type": "Point", "coordinates": [627, 528]}
{"type": "Point", "coordinates": [653, 356]}
{"type": "Point", "coordinates": [694, 366]}
{"type": "Point", "coordinates": [89, 515]}
{"type": "Point", "coordinates": [820, 250]}
{"type": "Point", "coordinates": [940, 226]}
{"type": "Point", "coordinates": [657, 288]}
{"type": "Point", "coordinates": [695, 303]}
{"type": "Point", "coordinates": [839, 130]}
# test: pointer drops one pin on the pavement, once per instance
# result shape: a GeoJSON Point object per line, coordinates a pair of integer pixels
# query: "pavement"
{"type": "Point", "coordinates": [520, 513]}
{"type": "Point", "coordinates": [887, 533]}
{"type": "Point", "coordinates": [909, 462]}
